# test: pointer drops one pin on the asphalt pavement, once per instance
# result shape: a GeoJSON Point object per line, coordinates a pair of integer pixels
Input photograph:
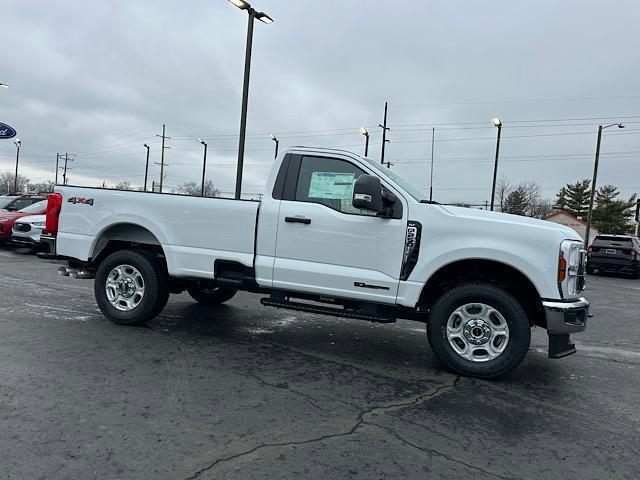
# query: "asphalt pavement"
{"type": "Point", "coordinates": [242, 391]}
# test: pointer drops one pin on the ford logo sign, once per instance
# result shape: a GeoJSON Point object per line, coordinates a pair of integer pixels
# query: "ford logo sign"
{"type": "Point", "coordinates": [6, 131]}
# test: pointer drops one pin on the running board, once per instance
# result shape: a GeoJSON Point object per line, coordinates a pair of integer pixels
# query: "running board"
{"type": "Point", "coordinates": [321, 310]}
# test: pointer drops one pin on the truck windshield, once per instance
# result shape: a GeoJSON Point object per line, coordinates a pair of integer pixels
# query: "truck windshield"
{"type": "Point", "coordinates": [402, 183]}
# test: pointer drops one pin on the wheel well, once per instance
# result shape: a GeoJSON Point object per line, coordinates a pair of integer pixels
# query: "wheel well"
{"type": "Point", "coordinates": [123, 236]}
{"type": "Point", "coordinates": [496, 273]}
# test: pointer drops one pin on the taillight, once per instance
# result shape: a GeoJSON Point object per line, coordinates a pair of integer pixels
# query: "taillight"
{"type": "Point", "coordinates": [590, 248]}
{"type": "Point", "coordinates": [54, 204]}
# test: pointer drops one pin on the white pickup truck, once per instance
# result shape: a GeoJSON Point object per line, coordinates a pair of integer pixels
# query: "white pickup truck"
{"type": "Point", "coordinates": [334, 234]}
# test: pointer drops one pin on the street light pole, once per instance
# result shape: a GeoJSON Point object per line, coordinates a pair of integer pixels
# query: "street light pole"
{"type": "Point", "coordinates": [275, 139]}
{"type": "Point", "coordinates": [365, 132]}
{"type": "Point", "coordinates": [433, 136]}
{"type": "Point", "coordinates": [263, 17]}
{"type": "Point", "coordinates": [146, 166]}
{"type": "Point", "coordinates": [204, 165]}
{"type": "Point", "coordinates": [498, 124]}
{"type": "Point", "coordinates": [594, 180]}
{"type": "Point", "coordinates": [18, 144]}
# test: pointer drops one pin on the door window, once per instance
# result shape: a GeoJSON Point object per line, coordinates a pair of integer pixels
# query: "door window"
{"type": "Point", "coordinates": [329, 181]}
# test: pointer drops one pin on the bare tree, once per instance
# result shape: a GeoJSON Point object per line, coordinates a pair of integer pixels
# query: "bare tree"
{"type": "Point", "coordinates": [42, 187]}
{"type": "Point", "coordinates": [503, 188]}
{"type": "Point", "coordinates": [123, 186]}
{"type": "Point", "coordinates": [521, 199]}
{"type": "Point", "coordinates": [193, 188]}
{"type": "Point", "coordinates": [7, 180]}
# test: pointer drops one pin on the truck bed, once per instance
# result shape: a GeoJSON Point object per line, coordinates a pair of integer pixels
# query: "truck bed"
{"type": "Point", "coordinates": [194, 232]}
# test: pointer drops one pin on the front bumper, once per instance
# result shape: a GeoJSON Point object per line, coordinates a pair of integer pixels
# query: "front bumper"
{"type": "Point", "coordinates": [566, 317]}
{"type": "Point", "coordinates": [612, 265]}
{"type": "Point", "coordinates": [563, 319]}
{"type": "Point", "coordinates": [31, 236]}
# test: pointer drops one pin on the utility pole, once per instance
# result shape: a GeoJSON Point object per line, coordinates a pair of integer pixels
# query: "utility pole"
{"type": "Point", "coordinates": [433, 136]}
{"type": "Point", "coordinates": [595, 179]}
{"type": "Point", "coordinates": [64, 173]}
{"type": "Point", "coordinates": [57, 160]}
{"type": "Point", "coordinates": [146, 167]}
{"type": "Point", "coordinates": [163, 136]}
{"type": "Point", "coordinates": [384, 133]}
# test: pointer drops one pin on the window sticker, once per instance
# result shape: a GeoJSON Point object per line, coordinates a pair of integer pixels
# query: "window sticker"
{"type": "Point", "coordinates": [331, 185]}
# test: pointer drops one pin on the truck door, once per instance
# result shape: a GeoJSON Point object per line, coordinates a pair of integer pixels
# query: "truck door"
{"type": "Point", "coordinates": [326, 246]}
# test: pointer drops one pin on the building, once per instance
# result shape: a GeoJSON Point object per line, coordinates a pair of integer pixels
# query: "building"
{"type": "Point", "coordinates": [571, 221]}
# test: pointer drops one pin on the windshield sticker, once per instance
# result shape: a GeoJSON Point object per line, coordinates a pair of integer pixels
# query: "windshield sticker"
{"type": "Point", "coordinates": [331, 185]}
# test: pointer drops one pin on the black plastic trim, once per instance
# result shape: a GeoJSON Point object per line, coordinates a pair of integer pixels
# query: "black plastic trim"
{"type": "Point", "coordinates": [411, 260]}
{"type": "Point", "coordinates": [278, 186]}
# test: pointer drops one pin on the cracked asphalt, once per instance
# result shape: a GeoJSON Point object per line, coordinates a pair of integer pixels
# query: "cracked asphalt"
{"type": "Point", "coordinates": [242, 391]}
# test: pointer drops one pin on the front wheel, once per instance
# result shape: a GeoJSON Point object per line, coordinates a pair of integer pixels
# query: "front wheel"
{"type": "Point", "coordinates": [212, 296]}
{"type": "Point", "coordinates": [131, 286]}
{"type": "Point", "coordinates": [479, 330]}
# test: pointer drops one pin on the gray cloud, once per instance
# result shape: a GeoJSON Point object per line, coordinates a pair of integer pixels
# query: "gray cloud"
{"type": "Point", "coordinates": [99, 79]}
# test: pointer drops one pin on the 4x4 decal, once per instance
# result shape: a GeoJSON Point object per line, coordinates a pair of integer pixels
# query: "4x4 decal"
{"type": "Point", "coordinates": [83, 200]}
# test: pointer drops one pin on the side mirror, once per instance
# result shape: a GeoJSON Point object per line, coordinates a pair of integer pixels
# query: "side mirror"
{"type": "Point", "coordinates": [367, 193]}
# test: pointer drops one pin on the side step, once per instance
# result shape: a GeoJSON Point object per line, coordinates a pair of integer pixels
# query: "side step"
{"type": "Point", "coordinates": [321, 310]}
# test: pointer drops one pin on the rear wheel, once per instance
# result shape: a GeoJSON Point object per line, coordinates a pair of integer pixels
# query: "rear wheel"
{"type": "Point", "coordinates": [479, 330]}
{"type": "Point", "coordinates": [636, 272]}
{"type": "Point", "coordinates": [131, 286]}
{"type": "Point", "coordinates": [212, 296]}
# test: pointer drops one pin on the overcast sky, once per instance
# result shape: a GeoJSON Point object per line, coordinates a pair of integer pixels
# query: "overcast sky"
{"type": "Point", "coordinates": [99, 78]}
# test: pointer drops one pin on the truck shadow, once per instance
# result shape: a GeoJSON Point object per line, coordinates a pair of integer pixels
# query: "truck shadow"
{"type": "Point", "coordinates": [398, 350]}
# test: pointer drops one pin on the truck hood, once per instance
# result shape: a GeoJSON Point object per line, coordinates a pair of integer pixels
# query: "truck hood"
{"type": "Point", "coordinates": [32, 219]}
{"type": "Point", "coordinates": [506, 219]}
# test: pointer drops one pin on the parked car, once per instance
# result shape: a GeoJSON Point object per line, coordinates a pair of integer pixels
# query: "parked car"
{"type": "Point", "coordinates": [614, 253]}
{"type": "Point", "coordinates": [26, 231]}
{"type": "Point", "coordinates": [7, 219]}
{"type": "Point", "coordinates": [334, 234]}
{"type": "Point", "coordinates": [14, 203]}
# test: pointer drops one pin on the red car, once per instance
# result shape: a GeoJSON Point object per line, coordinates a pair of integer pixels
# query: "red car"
{"type": "Point", "coordinates": [8, 218]}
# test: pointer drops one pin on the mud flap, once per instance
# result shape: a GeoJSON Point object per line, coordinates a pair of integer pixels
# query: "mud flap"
{"type": "Point", "coordinates": [560, 345]}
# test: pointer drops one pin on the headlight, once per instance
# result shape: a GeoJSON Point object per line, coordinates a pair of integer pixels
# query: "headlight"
{"type": "Point", "coordinates": [39, 224]}
{"type": "Point", "coordinates": [571, 268]}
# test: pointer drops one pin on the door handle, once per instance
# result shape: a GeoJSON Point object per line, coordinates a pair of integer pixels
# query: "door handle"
{"type": "Point", "coordinates": [306, 221]}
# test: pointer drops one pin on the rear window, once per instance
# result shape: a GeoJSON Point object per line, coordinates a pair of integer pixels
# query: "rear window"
{"type": "Point", "coordinates": [610, 240]}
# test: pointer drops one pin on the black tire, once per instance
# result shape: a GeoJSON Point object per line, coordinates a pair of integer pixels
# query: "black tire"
{"type": "Point", "coordinates": [636, 273]}
{"type": "Point", "coordinates": [212, 296]}
{"type": "Point", "coordinates": [491, 295]}
{"type": "Point", "coordinates": [156, 286]}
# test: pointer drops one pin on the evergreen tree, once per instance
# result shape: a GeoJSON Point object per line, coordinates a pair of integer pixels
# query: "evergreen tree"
{"type": "Point", "coordinates": [613, 215]}
{"type": "Point", "coordinates": [574, 198]}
